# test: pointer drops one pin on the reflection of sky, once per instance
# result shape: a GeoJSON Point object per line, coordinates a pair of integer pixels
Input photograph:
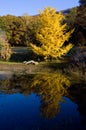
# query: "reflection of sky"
{"type": "Point", "coordinates": [4, 75]}
{"type": "Point", "coordinates": [19, 112]}
{"type": "Point", "coordinates": [69, 115]}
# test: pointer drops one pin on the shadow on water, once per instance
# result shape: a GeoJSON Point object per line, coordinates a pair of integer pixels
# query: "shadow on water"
{"type": "Point", "coordinates": [61, 102]}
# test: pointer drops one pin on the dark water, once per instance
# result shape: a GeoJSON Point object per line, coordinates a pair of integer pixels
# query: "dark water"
{"type": "Point", "coordinates": [42, 102]}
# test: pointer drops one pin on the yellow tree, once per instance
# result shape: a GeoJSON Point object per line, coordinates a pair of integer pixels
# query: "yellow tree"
{"type": "Point", "coordinates": [52, 35]}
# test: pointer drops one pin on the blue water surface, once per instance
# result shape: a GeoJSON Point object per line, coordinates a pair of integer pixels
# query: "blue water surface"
{"type": "Point", "coordinates": [22, 112]}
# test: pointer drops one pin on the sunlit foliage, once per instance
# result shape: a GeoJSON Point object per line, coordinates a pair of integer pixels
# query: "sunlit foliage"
{"type": "Point", "coordinates": [31, 28]}
{"type": "Point", "coordinates": [52, 35]}
{"type": "Point", "coordinates": [5, 49]}
{"type": "Point", "coordinates": [14, 28]}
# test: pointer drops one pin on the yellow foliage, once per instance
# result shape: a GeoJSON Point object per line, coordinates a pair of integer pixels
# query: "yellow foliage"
{"type": "Point", "coordinates": [52, 35]}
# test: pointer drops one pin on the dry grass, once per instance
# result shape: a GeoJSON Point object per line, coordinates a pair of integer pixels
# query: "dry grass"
{"type": "Point", "coordinates": [20, 67]}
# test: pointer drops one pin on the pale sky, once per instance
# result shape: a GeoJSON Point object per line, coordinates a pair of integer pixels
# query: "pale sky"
{"type": "Point", "coordinates": [31, 7]}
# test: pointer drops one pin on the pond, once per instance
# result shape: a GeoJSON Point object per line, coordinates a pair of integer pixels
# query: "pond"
{"type": "Point", "coordinates": [42, 102]}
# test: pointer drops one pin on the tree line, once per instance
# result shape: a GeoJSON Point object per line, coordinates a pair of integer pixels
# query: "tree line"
{"type": "Point", "coordinates": [50, 34]}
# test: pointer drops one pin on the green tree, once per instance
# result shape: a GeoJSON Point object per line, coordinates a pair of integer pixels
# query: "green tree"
{"type": "Point", "coordinates": [71, 17]}
{"type": "Point", "coordinates": [80, 26]}
{"type": "Point", "coordinates": [52, 35]}
{"type": "Point", "coordinates": [15, 29]}
{"type": "Point", "coordinates": [31, 27]}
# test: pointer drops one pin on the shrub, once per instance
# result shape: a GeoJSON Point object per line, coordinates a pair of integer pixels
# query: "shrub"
{"type": "Point", "coordinates": [5, 49]}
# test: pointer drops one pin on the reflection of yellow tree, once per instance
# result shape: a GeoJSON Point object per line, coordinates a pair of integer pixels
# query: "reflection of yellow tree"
{"type": "Point", "coordinates": [51, 87]}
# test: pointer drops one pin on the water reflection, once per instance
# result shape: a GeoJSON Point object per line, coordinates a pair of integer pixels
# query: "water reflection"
{"type": "Point", "coordinates": [51, 89]}
{"type": "Point", "coordinates": [77, 93]}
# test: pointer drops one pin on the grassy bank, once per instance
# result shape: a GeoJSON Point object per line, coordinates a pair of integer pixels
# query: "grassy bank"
{"type": "Point", "coordinates": [23, 68]}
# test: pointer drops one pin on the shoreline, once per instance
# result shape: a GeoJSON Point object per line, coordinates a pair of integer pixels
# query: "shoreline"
{"type": "Point", "coordinates": [22, 68]}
